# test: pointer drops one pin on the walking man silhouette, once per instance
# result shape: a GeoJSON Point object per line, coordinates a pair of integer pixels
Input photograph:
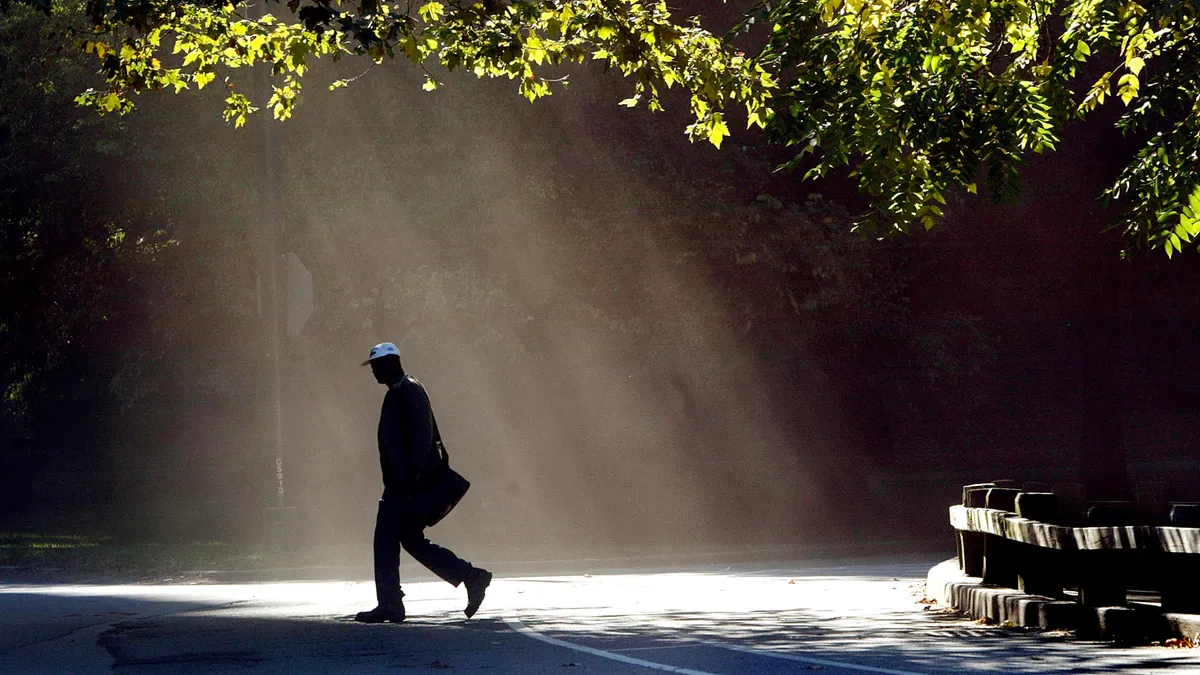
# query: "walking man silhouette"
{"type": "Point", "coordinates": [408, 455]}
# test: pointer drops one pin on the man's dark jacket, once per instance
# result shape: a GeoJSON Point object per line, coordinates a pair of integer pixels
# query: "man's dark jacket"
{"type": "Point", "coordinates": [406, 438]}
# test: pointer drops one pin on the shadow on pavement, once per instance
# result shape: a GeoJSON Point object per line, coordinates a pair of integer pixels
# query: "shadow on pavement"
{"type": "Point", "coordinates": [921, 642]}
{"type": "Point", "coordinates": [865, 617]}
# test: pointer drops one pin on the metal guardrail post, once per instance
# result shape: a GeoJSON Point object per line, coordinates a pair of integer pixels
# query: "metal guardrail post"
{"type": "Point", "coordinates": [971, 544]}
{"type": "Point", "coordinates": [1101, 580]}
{"type": "Point", "coordinates": [1180, 592]}
{"type": "Point", "coordinates": [971, 557]}
{"type": "Point", "coordinates": [999, 554]}
{"type": "Point", "coordinates": [999, 562]}
{"type": "Point", "coordinates": [1040, 571]}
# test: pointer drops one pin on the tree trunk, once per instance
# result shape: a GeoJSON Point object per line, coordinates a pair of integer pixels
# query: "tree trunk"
{"type": "Point", "coordinates": [1102, 467]}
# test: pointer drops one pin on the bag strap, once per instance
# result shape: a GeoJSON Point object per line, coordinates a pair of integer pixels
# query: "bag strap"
{"type": "Point", "coordinates": [437, 439]}
{"type": "Point", "coordinates": [438, 446]}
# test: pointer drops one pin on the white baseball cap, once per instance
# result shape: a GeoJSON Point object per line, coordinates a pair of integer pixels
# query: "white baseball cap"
{"type": "Point", "coordinates": [381, 350]}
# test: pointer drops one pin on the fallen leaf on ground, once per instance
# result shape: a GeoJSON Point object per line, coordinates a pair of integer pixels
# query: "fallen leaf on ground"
{"type": "Point", "coordinates": [1179, 643]}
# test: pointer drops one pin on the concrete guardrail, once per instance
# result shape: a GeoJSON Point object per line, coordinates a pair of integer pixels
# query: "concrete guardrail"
{"type": "Point", "coordinates": [1047, 541]}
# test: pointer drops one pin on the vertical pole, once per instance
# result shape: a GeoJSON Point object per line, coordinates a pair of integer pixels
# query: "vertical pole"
{"type": "Point", "coordinates": [269, 266]}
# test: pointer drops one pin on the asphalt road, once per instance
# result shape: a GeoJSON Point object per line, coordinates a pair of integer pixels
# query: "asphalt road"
{"type": "Point", "coordinates": [846, 619]}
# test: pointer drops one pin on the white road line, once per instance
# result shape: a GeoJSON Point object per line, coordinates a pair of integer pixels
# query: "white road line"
{"type": "Point", "coordinates": [521, 628]}
{"type": "Point", "coordinates": [815, 662]}
{"type": "Point", "coordinates": [691, 645]}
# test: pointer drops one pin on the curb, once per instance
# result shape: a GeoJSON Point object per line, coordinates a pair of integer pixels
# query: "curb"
{"type": "Point", "coordinates": [948, 585]}
{"type": "Point", "coordinates": [608, 564]}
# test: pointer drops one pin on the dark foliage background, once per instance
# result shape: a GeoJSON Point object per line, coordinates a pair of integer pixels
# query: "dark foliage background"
{"type": "Point", "coordinates": [632, 342]}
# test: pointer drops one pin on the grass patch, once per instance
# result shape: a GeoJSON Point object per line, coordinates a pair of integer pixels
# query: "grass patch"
{"type": "Point", "coordinates": [38, 557]}
{"type": "Point", "coordinates": [26, 542]}
{"type": "Point", "coordinates": [34, 556]}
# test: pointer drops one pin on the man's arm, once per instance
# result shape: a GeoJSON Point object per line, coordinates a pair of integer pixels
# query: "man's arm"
{"type": "Point", "coordinates": [392, 441]}
{"type": "Point", "coordinates": [418, 417]}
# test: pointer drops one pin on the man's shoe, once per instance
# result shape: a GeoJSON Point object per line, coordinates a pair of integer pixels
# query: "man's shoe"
{"type": "Point", "coordinates": [476, 583]}
{"type": "Point", "coordinates": [381, 614]}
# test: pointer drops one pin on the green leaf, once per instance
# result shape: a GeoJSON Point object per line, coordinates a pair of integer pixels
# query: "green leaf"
{"type": "Point", "coordinates": [718, 131]}
{"type": "Point", "coordinates": [432, 11]}
{"type": "Point", "coordinates": [111, 102]}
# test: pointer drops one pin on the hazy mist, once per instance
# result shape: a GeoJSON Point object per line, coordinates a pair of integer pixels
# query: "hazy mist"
{"type": "Point", "coordinates": [588, 370]}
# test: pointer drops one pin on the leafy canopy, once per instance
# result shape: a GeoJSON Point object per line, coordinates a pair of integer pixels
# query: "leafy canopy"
{"type": "Point", "coordinates": [920, 97]}
{"type": "Point", "coordinates": [173, 44]}
{"type": "Point", "coordinates": [923, 97]}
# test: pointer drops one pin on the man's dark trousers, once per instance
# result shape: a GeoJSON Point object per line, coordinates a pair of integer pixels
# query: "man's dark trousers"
{"type": "Point", "coordinates": [393, 531]}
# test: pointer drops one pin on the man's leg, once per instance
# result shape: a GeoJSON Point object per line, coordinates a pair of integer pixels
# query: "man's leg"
{"type": "Point", "coordinates": [444, 563]}
{"type": "Point", "coordinates": [386, 547]}
{"type": "Point", "coordinates": [441, 561]}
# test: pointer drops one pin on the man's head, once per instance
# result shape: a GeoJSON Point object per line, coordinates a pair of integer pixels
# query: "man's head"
{"type": "Point", "coordinates": [385, 363]}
